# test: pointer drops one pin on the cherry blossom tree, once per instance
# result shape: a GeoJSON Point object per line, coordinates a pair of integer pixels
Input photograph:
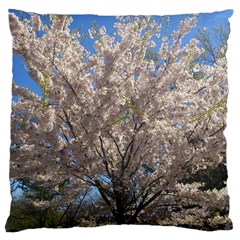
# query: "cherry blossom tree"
{"type": "Point", "coordinates": [130, 122]}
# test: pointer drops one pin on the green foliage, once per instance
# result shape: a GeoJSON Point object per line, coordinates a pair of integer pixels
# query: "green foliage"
{"type": "Point", "coordinates": [22, 216]}
{"type": "Point", "coordinates": [45, 89]}
{"type": "Point", "coordinates": [212, 178]}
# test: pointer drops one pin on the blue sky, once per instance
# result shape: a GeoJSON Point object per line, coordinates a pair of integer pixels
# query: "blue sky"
{"type": "Point", "coordinates": [20, 74]}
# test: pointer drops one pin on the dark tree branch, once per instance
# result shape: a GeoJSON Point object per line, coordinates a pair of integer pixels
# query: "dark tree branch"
{"type": "Point", "coordinates": [220, 129]}
{"type": "Point", "coordinates": [64, 78]}
{"type": "Point", "coordinates": [105, 162]}
{"type": "Point", "coordinates": [199, 90]}
{"type": "Point", "coordinates": [115, 142]}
